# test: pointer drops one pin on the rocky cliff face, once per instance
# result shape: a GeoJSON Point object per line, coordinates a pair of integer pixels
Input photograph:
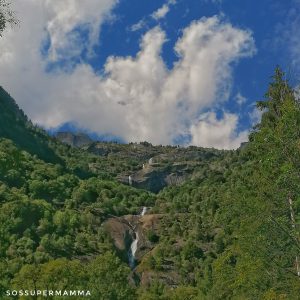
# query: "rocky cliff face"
{"type": "Point", "coordinates": [155, 177]}
{"type": "Point", "coordinates": [123, 231]}
{"type": "Point", "coordinates": [143, 165]}
{"type": "Point", "coordinates": [74, 139]}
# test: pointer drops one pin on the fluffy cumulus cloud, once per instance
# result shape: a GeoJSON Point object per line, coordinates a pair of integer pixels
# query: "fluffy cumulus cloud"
{"type": "Point", "coordinates": [65, 18]}
{"type": "Point", "coordinates": [137, 98]}
{"type": "Point", "coordinates": [211, 132]}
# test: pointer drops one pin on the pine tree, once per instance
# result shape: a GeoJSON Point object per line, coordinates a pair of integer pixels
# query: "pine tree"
{"type": "Point", "coordinates": [263, 260]}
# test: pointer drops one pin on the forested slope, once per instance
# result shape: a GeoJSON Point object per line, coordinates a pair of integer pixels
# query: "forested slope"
{"type": "Point", "coordinates": [228, 231]}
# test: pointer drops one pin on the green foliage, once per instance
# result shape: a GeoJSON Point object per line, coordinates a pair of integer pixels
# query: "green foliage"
{"type": "Point", "coordinates": [227, 233]}
{"type": "Point", "coordinates": [105, 277]}
{"type": "Point", "coordinates": [262, 255]}
{"type": "Point", "coordinates": [239, 212]}
{"type": "Point", "coordinates": [108, 279]}
{"type": "Point", "coordinates": [152, 236]}
{"type": "Point", "coordinates": [15, 126]}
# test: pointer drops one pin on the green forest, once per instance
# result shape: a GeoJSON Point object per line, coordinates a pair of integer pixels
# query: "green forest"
{"type": "Point", "coordinates": [229, 230]}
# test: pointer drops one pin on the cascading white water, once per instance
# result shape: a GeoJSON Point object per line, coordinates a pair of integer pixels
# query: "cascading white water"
{"type": "Point", "coordinates": [144, 210]}
{"type": "Point", "coordinates": [132, 250]}
{"type": "Point", "coordinates": [134, 244]}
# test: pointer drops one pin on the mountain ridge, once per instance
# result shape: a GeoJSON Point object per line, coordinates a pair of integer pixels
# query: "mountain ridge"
{"type": "Point", "coordinates": [15, 125]}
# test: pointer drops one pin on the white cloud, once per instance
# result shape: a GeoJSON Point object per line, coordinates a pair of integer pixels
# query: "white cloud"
{"type": "Point", "coordinates": [240, 99]}
{"type": "Point", "coordinates": [255, 115]}
{"type": "Point", "coordinates": [156, 15]}
{"type": "Point", "coordinates": [163, 11]}
{"type": "Point", "coordinates": [139, 25]}
{"type": "Point", "coordinates": [63, 17]}
{"type": "Point", "coordinates": [138, 98]}
{"type": "Point", "coordinates": [221, 134]}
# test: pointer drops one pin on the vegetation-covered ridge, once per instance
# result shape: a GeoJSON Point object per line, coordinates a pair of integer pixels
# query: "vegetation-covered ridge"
{"type": "Point", "coordinates": [220, 225]}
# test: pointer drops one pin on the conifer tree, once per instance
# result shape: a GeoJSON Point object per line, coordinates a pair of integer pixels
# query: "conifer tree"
{"type": "Point", "coordinates": [263, 260]}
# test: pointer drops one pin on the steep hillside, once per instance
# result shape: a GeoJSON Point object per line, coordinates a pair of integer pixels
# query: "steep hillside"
{"type": "Point", "coordinates": [15, 126]}
{"type": "Point", "coordinates": [220, 225]}
{"type": "Point", "coordinates": [58, 209]}
{"type": "Point", "coordinates": [149, 167]}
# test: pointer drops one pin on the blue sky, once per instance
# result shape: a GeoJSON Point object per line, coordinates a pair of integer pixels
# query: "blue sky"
{"type": "Point", "coordinates": [251, 76]}
{"type": "Point", "coordinates": [184, 71]}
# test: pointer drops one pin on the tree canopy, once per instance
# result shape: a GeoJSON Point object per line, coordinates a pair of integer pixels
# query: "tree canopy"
{"type": "Point", "coordinates": [229, 232]}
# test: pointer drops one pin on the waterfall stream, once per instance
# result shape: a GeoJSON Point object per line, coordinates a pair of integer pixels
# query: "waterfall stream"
{"type": "Point", "coordinates": [144, 210]}
{"type": "Point", "coordinates": [134, 244]}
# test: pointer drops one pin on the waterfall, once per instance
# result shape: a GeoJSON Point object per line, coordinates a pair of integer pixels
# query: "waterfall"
{"type": "Point", "coordinates": [144, 211]}
{"type": "Point", "coordinates": [129, 180]}
{"type": "Point", "coordinates": [134, 244]}
{"type": "Point", "coordinates": [132, 251]}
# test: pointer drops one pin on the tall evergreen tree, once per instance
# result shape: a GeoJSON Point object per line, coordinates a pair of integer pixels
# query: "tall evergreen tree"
{"type": "Point", "coordinates": [263, 261]}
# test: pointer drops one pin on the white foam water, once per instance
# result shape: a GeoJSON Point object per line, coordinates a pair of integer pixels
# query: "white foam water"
{"type": "Point", "coordinates": [144, 211]}
{"type": "Point", "coordinates": [134, 244]}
